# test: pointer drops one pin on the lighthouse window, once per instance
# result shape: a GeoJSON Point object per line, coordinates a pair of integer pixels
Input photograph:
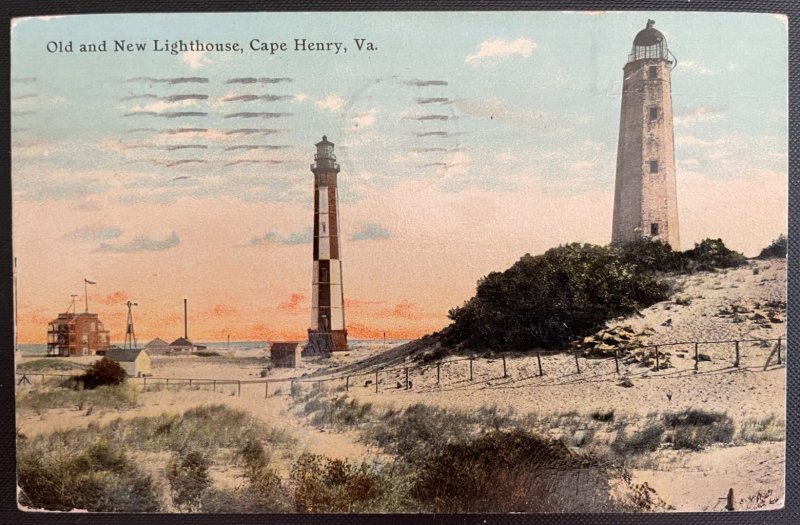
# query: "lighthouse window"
{"type": "Point", "coordinates": [654, 228]}
{"type": "Point", "coordinates": [653, 166]}
{"type": "Point", "coordinates": [653, 112]}
{"type": "Point", "coordinates": [653, 72]}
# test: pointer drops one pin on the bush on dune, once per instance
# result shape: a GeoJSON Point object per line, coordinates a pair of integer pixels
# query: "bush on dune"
{"type": "Point", "coordinates": [776, 250]}
{"type": "Point", "coordinates": [99, 479]}
{"type": "Point", "coordinates": [548, 300]}
{"type": "Point", "coordinates": [551, 299]}
{"type": "Point", "coordinates": [103, 372]}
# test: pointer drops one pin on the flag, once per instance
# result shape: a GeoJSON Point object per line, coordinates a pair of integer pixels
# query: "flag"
{"type": "Point", "coordinates": [87, 281]}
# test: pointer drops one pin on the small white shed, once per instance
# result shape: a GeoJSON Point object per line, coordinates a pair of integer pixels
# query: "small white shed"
{"type": "Point", "coordinates": [135, 362]}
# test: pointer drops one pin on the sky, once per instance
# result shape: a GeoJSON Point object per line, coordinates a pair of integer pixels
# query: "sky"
{"type": "Point", "coordinates": [465, 141]}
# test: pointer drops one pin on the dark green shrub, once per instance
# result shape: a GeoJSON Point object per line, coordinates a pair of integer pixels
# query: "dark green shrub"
{"type": "Point", "coordinates": [264, 491]}
{"type": "Point", "coordinates": [418, 432]}
{"type": "Point", "coordinates": [551, 299]}
{"type": "Point", "coordinates": [188, 479]}
{"type": "Point", "coordinates": [510, 472]}
{"type": "Point", "coordinates": [333, 485]}
{"type": "Point", "coordinates": [99, 479]}
{"type": "Point", "coordinates": [103, 372]}
{"type": "Point", "coordinates": [711, 254]}
{"type": "Point", "coordinates": [653, 256]}
{"type": "Point", "coordinates": [647, 440]}
{"type": "Point", "coordinates": [337, 412]}
{"type": "Point", "coordinates": [776, 250]}
{"type": "Point", "coordinates": [696, 429]}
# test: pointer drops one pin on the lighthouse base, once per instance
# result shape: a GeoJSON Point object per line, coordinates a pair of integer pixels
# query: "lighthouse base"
{"type": "Point", "coordinates": [324, 343]}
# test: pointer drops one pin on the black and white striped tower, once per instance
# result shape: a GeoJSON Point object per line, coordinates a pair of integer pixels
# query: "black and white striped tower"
{"type": "Point", "coordinates": [327, 332]}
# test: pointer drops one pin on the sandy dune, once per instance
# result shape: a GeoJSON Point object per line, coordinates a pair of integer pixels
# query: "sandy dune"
{"type": "Point", "coordinates": [746, 303]}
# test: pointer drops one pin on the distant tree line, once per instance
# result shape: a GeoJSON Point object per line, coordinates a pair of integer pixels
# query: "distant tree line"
{"type": "Point", "coordinates": [546, 301]}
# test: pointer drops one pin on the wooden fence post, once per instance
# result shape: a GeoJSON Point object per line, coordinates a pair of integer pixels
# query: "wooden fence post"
{"type": "Point", "coordinates": [577, 365]}
{"type": "Point", "coordinates": [167, 383]}
{"type": "Point", "coordinates": [696, 357]}
{"type": "Point", "coordinates": [736, 363]}
{"type": "Point", "coordinates": [406, 378]}
{"type": "Point", "coordinates": [539, 360]}
{"type": "Point", "coordinates": [214, 385]}
{"type": "Point", "coordinates": [266, 389]}
{"type": "Point", "coordinates": [729, 505]}
{"type": "Point", "coordinates": [779, 350]}
{"type": "Point", "coordinates": [376, 381]}
{"type": "Point", "coordinates": [470, 369]}
{"type": "Point", "coordinates": [616, 359]}
{"type": "Point", "coordinates": [190, 384]}
{"type": "Point", "coordinates": [347, 384]}
{"type": "Point", "coordinates": [239, 384]}
{"type": "Point", "coordinates": [505, 372]}
{"type": "Point", "coordinates": [658, 366]}
{"type": "Point", "coordinates": [438, 370]}
{"type": "Point", "coordinates": [145, 383]}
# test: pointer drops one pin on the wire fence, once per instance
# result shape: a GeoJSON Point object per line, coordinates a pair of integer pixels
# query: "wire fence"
{"type": "Point", "coordinates": [469, 370]}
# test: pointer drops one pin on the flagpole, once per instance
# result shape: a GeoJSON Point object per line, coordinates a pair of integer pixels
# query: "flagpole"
{"type": "Point", "coordinates": [86, 293]}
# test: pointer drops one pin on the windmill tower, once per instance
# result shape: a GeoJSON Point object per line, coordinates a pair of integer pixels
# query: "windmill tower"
{"type": "Point", "coordinates": [645, 198]}
{"type": "Point", "coordinates": [327, 332]}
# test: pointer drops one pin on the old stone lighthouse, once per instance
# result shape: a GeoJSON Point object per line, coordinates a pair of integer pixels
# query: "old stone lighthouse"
{"type": "Point", "coordinates": [645, 198]}
{"type": "Point", "coordinates": [327, 332]}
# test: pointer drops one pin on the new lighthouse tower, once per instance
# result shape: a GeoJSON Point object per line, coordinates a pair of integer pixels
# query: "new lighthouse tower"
{"type": "Point", "coordinates": [327, 333]}
{"type": "Point", "coordinates": [645, 198]}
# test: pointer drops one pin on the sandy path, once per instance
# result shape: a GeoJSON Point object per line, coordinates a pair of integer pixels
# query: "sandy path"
{"type": "Point", "coordinates": [701, 482]}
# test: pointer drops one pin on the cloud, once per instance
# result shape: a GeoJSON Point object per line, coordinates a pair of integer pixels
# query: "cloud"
{"type": "Point", "coordinates": [195, 59]}
{"type": "Point", "coordinates": [301, 237]}
{"type": "Point", "coordinates": [332, 103]}
{"type": "Point", "coordinates": [223, 310]}
{"type": "Point", "coordinates": [403, 310]}
{"type": "Point", "coordinates": [371, 231]}
{"type": "Point", "coordinates": [691, 140]}
{"type": "Point", "coordinates": [502, 49]}
{"type": "Point", "coordinates": [497, 110]}
{"type": "Point", "coordinates": [142, 243]}
{"type": "Point", "coordinates": [300, 97]}
{"type": "Point", "coordinates": [357, 303]}
{"type": "Point", "coordinates": [293, 304]}
{"type": "Point", "coordinates": [94, 232]}
{"type": "Point", "coordinates": [364, 120]}
{"type": "Point", "coordinates": [456, 163]}
{"type": "Point", "coordinates": [700, 115]}
{"type": "Point", "coordinates": [113, 298]}
{"type": "Point", "coordinates": [695, 67]}
{"type": "Point", "coordinates": [582, 165]}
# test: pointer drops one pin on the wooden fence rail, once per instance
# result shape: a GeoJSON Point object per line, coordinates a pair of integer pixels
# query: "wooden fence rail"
{"type": "Point", "coordinates": [408, 371]}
